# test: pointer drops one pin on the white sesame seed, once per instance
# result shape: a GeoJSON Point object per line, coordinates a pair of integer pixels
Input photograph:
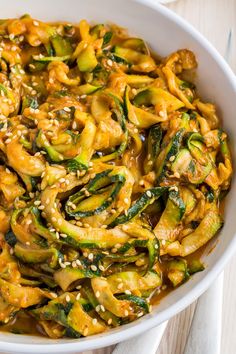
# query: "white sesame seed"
{"type": "Point", "coordinates": [78, 287]}
{"type": "Point", "coordinates": [67, 109]}
{"type": "Point", "coordinates": [67, 298]}
{"type": "Point", "coordinates": [28, 222]}
{"type": "Point", "coordinates": [161, 114]}
{"type": "Point", "coordinates": [74, 125]}
{"type": "Point", "coordinates": [94, 268]}
{"type": "Point", "coordinates": [37, 202]}
{"type": "Point", "coordinates": [63, 235]}
{"type": "Point", "coordinates": [140, 314]}
{"type": "Point", "coordinates": [74, 265]}
{"type": "Point", "coordinates": [109, 62]}
{"type": "Point", "coordinates": [120, 286]}
{"type": "Point", "coordinates": [90, 256]}
{"type": "Point", "coordinates": [149, 194]}
{"type": "Point", "coordinates": [109, 321]}
{"type": "Point", "coordinates": [62, 180]}
{"type": "Point", "coordinates": [172, 158]}
{"type": "Point", "coordinates": [54, 295]}
{"type": "Point", "coordinates": [35, 23]}
{"type": "Point", "coordinates": [102, 308]}
{"type": "Point", "coordinates": [41, 207]}
{"type": "Point", "coordinates": [94, 321]}
{"type": "Point", "coordinates": [78, 262]}
{"type": "Point", "coordinates": [101, 267]}
{"type": "Point", "coordinates": [98, 308]}
{"type": "Point", "coordinates": [27, 243]}
{"type": "Point", "coordinates": [126, 313]}
{"type": "Point", "coordinates": [127, 292]}
{"type": "Point", "coordinates": [78, 296]}
{"type": "Point", "coordinates": [97, 294]}
{"type": "Point", "coordinates": [83, 96]}
{"type": "Point", "coordinates": [54, 219]}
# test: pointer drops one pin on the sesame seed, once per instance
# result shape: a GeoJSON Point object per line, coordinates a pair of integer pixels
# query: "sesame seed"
{"type": "Point", "coordinates": [102, 308]}
{"type": "Point", "coordinates": [67, 263]}
{"type": "Point", "coordinates": [83, 96]}
{"type": "Point", "coordinates": [41, 207]}
{"type": "Point", "coordinates": [11, 36]}
{"type": "Point", "coordinates": [87, 194]}
{"type": "Point", "coordinates": [177, 175]}
{"type": "Point", "coordinates": [8, 141]}
{"type": "Point", "coordinates": [54, 295]}
{"type": "Point", "coordinates": [67, 298]}
{"type": "Point", "coordinates": [90, 256]}
{"type": "Point", "coordinates": [149, 194]}
{"type": "Point", "coordinates": [109, 321]}
{"type": "Point", "coordinates": [161, 114]}
{"type": "Point", "coordinates": [78, 262]}
{"type": "Point", "coordinates": [27, 243]}
{"type": "Point", "coordinates": [94, 268]}
{"type": "Point", "coordinates": [172, 158]}
{"type": "Point", "coordinates": [54, 219]}
{"type": "Point", "coordinates": [63, 235]}
{"type": "Point", "coordinates": [11, 250]}
{"type": "Point", "coordinates": [97, 294]}
{"type": "Point", "coordinates": [94, 321]}
{"type": "Point", "coordinates": [127, 292]}
{"type": "Point", "coordinates": [35, 23]}
{"type": "Point", "coordinates": [37, 202]}
{"type": "Point", "coordinates": [126, 313]}
{"type": "Point", "coordinates": [62, 180]}
{"type": "Point", "coordinates": [78, 287]}
{"type": "Point", "coordinates": [67, 109]}
{"type": "Point", "coordinates": [120, 286]}
{"type": "Point", "coordinates": [150, 163]}
{"type": "Point", "coordinates": [74, 265]}
{"type": "Point", "coordinates": [101, 267]}
{"type": "Point", "coordinates": [28, 222]}
{"type": "Point", "coordinates": [135, 130]}
{"type": "Point", "coordinates": [109, 62]}
{"type": "Point", "coordinates": [78, 296]}
{"type": "Point", "coordinates": [103, 226]}
{"type": "Point", "coordinates": [97, 308]}
{"type": "Point", "coordinates": [140, 314]}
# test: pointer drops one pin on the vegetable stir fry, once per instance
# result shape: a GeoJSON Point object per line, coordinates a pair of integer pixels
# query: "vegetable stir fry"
{"type": "Point", "coordinates": [112, 174]}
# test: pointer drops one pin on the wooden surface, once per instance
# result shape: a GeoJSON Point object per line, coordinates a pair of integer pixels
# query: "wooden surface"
{"type": "Point", "coordinates": [215, 19]}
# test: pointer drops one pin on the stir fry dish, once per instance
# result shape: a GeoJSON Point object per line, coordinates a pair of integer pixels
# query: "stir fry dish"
{"type": "Point", "coordinates": [112, 175]}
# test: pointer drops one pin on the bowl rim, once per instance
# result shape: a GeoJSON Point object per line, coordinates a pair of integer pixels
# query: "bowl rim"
{"type": "Point", "coordinates": [138, 328]}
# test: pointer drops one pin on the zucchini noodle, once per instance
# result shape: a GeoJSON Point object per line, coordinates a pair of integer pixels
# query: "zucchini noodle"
{"type": "Point", "coordinates": [111, 178]}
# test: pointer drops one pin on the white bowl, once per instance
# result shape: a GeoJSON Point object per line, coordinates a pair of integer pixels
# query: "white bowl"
{"type": "Point", "coordinates": [165, 32]}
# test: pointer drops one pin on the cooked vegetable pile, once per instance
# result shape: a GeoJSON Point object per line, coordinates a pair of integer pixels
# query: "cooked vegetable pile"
{"type": "Point", "coordinates": [112, 174]}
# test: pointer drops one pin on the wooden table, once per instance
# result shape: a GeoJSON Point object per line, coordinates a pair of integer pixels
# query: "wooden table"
{"type": "Point", "coordinates": [213, 18]}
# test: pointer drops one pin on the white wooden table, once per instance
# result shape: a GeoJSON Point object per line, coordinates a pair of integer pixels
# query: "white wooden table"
{"type": "Point", "coordinates": [214, 18]}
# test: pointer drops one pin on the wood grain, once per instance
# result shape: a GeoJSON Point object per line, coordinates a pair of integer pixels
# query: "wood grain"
{"type": "Point", "coordinates": [214, 19]}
